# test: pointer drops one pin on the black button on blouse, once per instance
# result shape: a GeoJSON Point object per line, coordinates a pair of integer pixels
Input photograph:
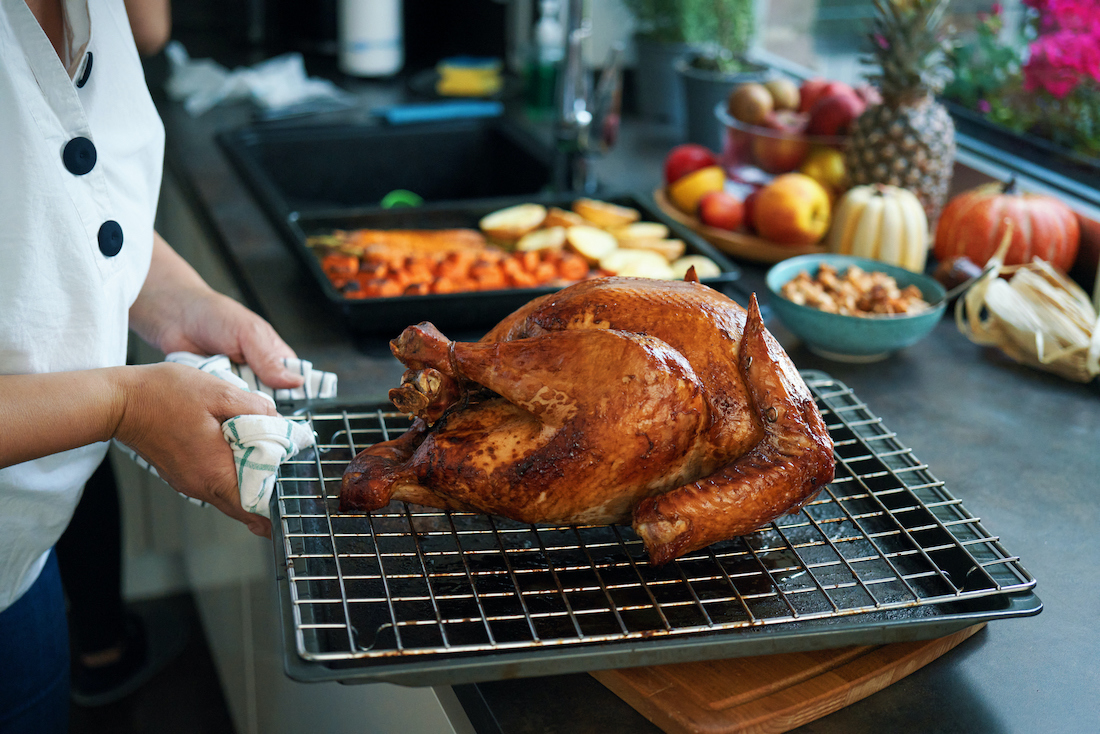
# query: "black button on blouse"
{"type": "Point", "coordinates": [110, 238]}
{"type": "Point", "coordinates": [79, 156]}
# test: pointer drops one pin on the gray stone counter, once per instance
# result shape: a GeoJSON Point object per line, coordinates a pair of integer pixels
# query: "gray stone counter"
{"type": "Point", "coordinates": [1020, 448]}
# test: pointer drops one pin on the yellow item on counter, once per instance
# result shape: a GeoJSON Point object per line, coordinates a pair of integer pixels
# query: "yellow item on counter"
{"type": "Point", "coordinates": [468, 77]}
{"type": "Point", "coordinates": [881, 222]}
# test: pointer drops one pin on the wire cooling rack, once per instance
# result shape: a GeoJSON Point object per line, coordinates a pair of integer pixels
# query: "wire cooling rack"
{"type": "Point", "coordinates": [421, 596]}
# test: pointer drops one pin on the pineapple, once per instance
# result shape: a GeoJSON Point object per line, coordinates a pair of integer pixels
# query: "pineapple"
{"type": "Point", "coordinates": [909, 139]}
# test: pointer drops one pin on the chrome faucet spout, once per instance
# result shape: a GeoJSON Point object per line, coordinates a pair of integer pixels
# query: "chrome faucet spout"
{"type": "Point", "coordinates": [586, 121]}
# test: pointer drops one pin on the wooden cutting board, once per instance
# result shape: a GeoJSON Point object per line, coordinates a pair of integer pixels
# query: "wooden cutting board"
{"type": "Point", "coordinates": [770, 693]}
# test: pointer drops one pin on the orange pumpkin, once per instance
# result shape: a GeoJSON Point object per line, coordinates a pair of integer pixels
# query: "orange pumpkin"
{"type": "Point", "coordinates": [973, 224]}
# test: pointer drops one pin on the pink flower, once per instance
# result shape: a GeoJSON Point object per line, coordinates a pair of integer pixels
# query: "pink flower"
{"type": "Point", "coordinates": [997, 9]}
{"type": "Point", "coordinates": [1067, 52]}
{"type": "Point", "coordinates": [881, 42]}
{"type": "Point", "coordinates": [1080, 15]}
{"type": "Point", "coordinates": [1060, 61]}
{"type": "Point", "coordinates": [984, 107]}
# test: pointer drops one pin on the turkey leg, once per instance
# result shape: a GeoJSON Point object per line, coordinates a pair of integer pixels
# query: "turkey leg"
{"type": "Point", "coordinates": [560, 376]}
{"type": "Point", "coordinates": [790, 464]}
{"type": "Point", "coordinates": [598, 410]}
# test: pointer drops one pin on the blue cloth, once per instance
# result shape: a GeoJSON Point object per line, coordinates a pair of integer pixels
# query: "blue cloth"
{"type": "Point", "coordinates": [34, 659]}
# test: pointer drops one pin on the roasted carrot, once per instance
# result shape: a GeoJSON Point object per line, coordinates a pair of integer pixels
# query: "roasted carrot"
{"type": "Point", "coordinates": [488, 275]}
{"type": "Point", "coordinates": [572, 267]}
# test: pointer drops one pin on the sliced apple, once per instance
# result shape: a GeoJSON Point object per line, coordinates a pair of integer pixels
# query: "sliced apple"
{"type": "Point", "coordinates": [640, 231]}
{"type": "Point", "coordinates": [591, 243]}
{"type": "Point", "coordinates": [668, 249]}
{"type": "Point", "coordinates": [704, 267]}
{"type": "Point", "coordinates": [508, 225]}
{"type": "Point", "coordinates": [550, 238]}
{"type": "Point", "coordinates": [637, 264]}
{"type": "Point", "coordinates": [558, 217]}
{"type": "Point", "coordinates": [604, 214]}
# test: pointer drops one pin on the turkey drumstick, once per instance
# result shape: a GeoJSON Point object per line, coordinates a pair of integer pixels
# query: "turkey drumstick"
{"type": "Point", "coordinates": [789, 465]}
{"type": "Point", "coordinates": [564, 429]}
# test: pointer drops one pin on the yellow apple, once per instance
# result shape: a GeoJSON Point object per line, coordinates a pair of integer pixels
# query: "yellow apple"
{"type": "Point", "coordinates": [792, 210]}
{"type": "Point", "coordinates": [685, 193]}
{"type": "Point", "coordinates": [784, 93]}
{"type": "Point", "coordinates": [826, 166]}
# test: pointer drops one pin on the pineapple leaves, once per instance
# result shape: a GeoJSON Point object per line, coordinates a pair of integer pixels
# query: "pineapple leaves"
{"type": "Point", "coordinates": [908, 47]}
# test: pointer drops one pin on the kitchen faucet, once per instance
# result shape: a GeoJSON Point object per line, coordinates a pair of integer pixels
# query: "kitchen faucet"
{"type": "Point", "coordinates": [586, 120]}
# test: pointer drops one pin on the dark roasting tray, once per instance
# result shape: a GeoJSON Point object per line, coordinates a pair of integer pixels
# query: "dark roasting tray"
{"type": "Point", "coordinates": [419, 596]}
{"type": "Point", "coordinates": [480, 309]}
{"type": "Point", "coordinates": [312, 179]}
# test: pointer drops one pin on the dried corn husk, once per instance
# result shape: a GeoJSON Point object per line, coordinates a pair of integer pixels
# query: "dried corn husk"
{"type": "Point", "coordinates": [1037, 317]}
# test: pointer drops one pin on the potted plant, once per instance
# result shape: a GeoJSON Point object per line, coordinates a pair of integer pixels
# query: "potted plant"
{"type": "Point", "coordinates": [659, 41]}
{"type": "Point", "coordinates": [724, 30]}
{"type": "Point", "coordinates": [1040, 82]}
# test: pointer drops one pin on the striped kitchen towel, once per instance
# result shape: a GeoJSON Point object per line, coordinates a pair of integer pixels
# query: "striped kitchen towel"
{"type": "Point", "coordinates": [260, 443]}
{"type": "Point", "coordinates": [318, 384]}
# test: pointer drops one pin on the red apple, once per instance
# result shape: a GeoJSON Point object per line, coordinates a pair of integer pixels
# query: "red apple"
{"type": "Point", "coordinates": [835, 87]}
{"type": "Point", "coordinates": [833, 115]}
{"type": "Point", "coordinates": [810, 92]}
{"type": "Point", "coordinates": [749, 206]}
{"type": "Point", "coordinates": [785, 148]}
{"type": "Point", "coordinates": [780, 154]}
{"type": "Point", "coordinates": [787, 121]}
{"type": "Point", "coordinates": [721, 209]}
{"type": "Point", "coordinates": [792, 210]}
{"type": "Point", "coordinates": [685, 159]}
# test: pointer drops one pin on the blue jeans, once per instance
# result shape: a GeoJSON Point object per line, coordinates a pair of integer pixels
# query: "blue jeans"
{"type": "Point", "coordinates": [34, 659]}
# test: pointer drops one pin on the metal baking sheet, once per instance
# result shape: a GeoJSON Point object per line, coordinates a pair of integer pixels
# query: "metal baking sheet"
{"type": "Point", "coordinates": [419, 596]}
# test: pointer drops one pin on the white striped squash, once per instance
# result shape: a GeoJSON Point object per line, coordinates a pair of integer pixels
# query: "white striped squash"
{"type": "Point", "coordinates": [881, 222]}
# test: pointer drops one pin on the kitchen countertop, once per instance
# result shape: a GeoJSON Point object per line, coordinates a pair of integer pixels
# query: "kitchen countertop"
{"type": "Point", "coordinates": [1020, 448]}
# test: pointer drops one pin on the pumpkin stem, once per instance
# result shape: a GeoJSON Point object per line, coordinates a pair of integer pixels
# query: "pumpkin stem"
{"type": "Point", "coordinates": [1009, 187]}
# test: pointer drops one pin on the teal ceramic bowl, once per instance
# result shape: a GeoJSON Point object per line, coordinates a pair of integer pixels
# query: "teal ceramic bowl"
{"type": "Point", "coordinates": [853, 338]}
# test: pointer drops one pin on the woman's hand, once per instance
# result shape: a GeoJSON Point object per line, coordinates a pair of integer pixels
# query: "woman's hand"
{"type": "Point", "coordinates": [177, 311]}
{"type": "Point", "coordinates": [172, 416]}
{"type": "Point", "coordinates": [169, 413]}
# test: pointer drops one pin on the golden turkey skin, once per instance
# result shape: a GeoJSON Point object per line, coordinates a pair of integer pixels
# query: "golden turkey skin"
{"type": "Point", "coordinates": [664, 404]}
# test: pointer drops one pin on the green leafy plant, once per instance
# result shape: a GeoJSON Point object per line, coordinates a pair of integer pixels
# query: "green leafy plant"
{"type": "Point", "coordinates": [658, 20]}
{"type": "Point", "coordinates": [722, 29]}
{"type": "Point", "coordinates": [985, 65]}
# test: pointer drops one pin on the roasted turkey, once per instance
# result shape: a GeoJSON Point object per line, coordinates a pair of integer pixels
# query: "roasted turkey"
{"type": "Point", "coordinates": [614, 400]}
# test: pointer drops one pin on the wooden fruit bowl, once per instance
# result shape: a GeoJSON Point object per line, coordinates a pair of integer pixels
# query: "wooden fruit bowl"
{"type": "Point", "coordinates": [738, 244]}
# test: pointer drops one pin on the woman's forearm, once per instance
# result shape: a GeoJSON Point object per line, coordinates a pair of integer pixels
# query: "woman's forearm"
{"type": "Point", "coordinates": [48, 413]}
{"type": "Point", "coordinates": [177, 311]}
